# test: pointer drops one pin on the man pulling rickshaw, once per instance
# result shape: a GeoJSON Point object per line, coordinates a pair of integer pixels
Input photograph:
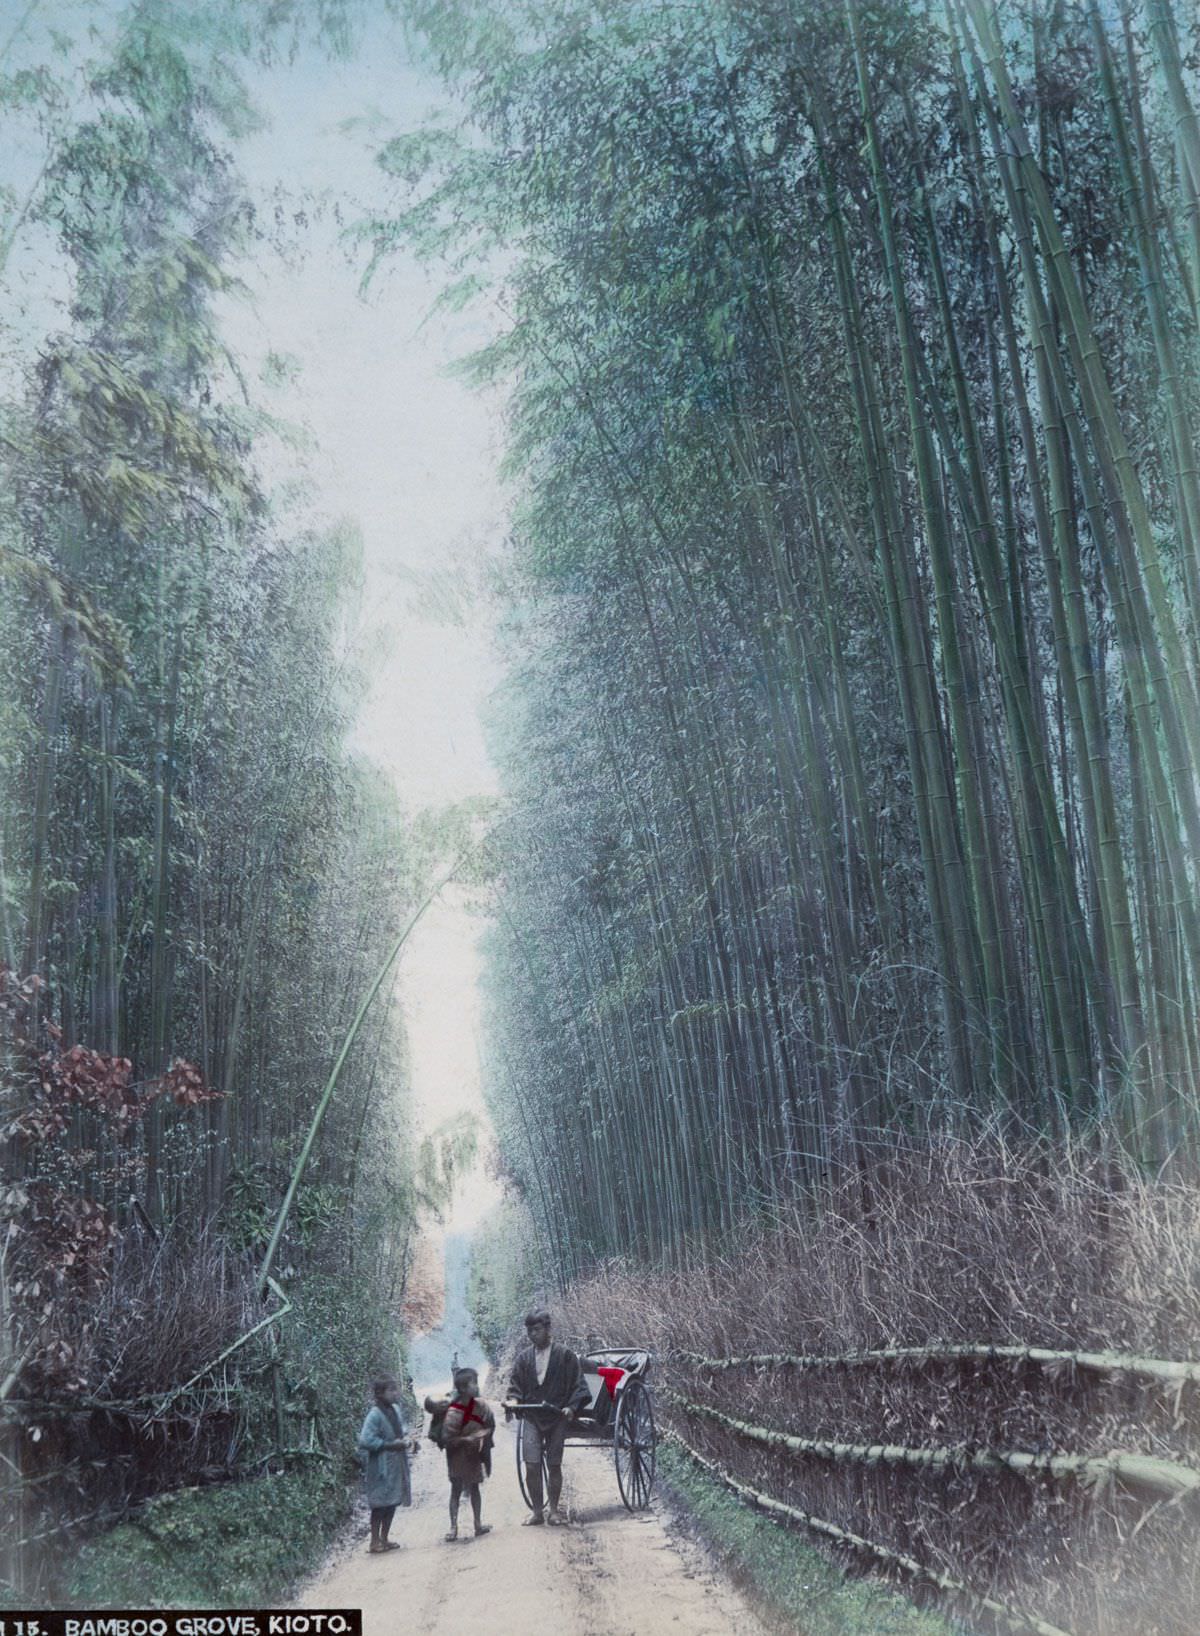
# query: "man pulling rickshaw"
{"type": "Point", "coordinates": [551, 1375]}
{"type": "Point", "coordinates": [602, 1400]}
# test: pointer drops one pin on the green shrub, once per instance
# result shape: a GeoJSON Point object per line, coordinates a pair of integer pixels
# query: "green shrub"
{"type": "Point", "coordinates": [232, 1545]}
{"type": "Point", "coordinates": [339, 1336]}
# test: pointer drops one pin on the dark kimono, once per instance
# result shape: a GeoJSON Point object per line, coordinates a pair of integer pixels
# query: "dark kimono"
{"type": "Point", "coordinates": [387, 1469]}
{"type": "Point", "coordinates": [564, 1386]}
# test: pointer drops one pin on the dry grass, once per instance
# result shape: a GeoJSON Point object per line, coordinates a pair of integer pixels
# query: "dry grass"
{"type": "Point", "coordinates": [95, 1433]}
{"type": "Point", "coordinates": [165, 1312]}
{"type": "Point", "coordinates": [959, 1242]}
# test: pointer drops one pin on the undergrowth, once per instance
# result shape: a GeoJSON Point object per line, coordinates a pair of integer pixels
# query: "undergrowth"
{"type": "Point", "coordinates": [200, 1506]}
{"type": "Point", "coordinates": [958, 1242]}
{"type": "Point", "coordinates": [232, 1545]}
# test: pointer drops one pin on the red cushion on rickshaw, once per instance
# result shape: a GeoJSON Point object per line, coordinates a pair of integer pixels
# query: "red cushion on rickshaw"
{"type": "Point", "coordinates": [611, 1376]}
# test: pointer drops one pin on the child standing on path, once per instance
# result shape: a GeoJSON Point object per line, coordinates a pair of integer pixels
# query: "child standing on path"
{"type": "Point", "coordinates": [382, 1440]}
{"type": "Point", "coordinates": [467, 1433]}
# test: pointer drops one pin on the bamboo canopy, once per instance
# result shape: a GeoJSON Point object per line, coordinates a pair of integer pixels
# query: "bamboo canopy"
{"type": "Point", "coordinates": [852, 730]}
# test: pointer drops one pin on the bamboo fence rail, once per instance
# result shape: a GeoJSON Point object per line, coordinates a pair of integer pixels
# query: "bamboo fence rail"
{"type": "Point", "coordinates": [1016, 1619]}
{"type": "Point", "coordinates": [1172, 1372]}
{"type": "Point", "coordinates": [1095, 1472]}
{"type": "Point", "coordinates": [132, 1408]}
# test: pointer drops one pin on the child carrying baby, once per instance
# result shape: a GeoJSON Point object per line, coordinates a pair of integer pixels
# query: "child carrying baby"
{"type": "Point", "coordinates": [467, 1433]}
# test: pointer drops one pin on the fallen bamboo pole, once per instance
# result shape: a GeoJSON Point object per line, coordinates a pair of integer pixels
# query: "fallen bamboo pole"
{"type": "Point", "coordinates": [1164, 1369]}
{"type": "Point", "coordinates": [1094, 1471]}
{"type": "Point", "coordinates": [1014, 1618]}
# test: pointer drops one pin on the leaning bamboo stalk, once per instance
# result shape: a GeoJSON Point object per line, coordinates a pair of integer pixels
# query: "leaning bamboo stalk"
{"type": "Point", "coordinates": [1176, 408]}
{"type": "Point", "coordinates": [1130, 511]}
{"type": "Point", "coordinates": [1014, 1618]}
{"type": "Point", "coordinates": [908, 640]}
{"type": "Point", "coordinates": [331, 1084]}
{"type": "Point", "coordinates": [1053, 891]}
{"type": "Point", "coordinates": [235, 1346]}
{"type": "Point", "coordinates": [1173, 1372]}
{"type": "Point", "coordinates": [1095, 1471]}
{"type": "Point", "coordinates": [1188, 270]}
{"type": "Point", "coordinates": [1028, 750]}
{"type": "Point", "coordinates": [1171, 781]}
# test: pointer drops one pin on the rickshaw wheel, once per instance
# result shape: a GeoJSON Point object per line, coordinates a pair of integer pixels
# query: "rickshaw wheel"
{"type": "Point", "coordinates": [520, 1442]}
{"type": "Point", "coordinates": [635, 1445]}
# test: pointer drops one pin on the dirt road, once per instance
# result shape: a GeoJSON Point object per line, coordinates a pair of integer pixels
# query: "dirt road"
{"type": "Point", "coordinates": [608, 1574]}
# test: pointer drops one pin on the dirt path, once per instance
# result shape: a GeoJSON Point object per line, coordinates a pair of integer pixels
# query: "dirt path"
{"type": "Point", "coordinates": [608, 1574]}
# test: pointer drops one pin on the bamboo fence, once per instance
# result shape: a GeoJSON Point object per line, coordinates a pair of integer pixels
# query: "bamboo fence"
{"type": "Point", "coordinates": [1166, 1478]}
{"type": "Point", "coordinates": [1016, 1619]}
{"type": "Point", "coordinates": [153, 1404]}
{"type": "Point", "coordinates": [1171, 1372]}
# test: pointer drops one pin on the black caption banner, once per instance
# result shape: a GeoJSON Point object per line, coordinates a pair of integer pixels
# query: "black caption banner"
{"type": "Point", "coordinates": [158, 1622]}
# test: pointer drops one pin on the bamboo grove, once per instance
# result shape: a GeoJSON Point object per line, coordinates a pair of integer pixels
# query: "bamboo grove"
{"type": "Point", "coordinates": [850, 728]}
{"type": "Point", "coordinates": [199, 878]}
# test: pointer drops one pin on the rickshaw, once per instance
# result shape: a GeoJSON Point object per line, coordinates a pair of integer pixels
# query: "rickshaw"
{"type": "Point", "coordinates": [620, 1413]}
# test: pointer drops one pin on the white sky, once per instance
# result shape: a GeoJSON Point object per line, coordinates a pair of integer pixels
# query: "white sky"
{"type": "Point", "coordinates": [395, 446]}
{"type": "Point", "coordinates": [410, 455]}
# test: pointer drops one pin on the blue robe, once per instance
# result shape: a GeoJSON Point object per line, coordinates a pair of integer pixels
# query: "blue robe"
{"type": "Point", "coordinates": [387, 1469]}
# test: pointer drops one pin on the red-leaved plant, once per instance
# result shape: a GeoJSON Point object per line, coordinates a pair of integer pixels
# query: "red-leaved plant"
{"type": "Point", "coordinates": [60, 1232]}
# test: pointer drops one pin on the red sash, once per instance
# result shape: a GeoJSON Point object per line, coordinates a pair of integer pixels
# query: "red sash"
{"type": "Point", "coordinates": [469, 1413]}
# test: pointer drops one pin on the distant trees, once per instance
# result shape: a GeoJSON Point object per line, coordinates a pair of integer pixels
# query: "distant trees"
{"type": "Point", "coordinates": [851, 728]}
